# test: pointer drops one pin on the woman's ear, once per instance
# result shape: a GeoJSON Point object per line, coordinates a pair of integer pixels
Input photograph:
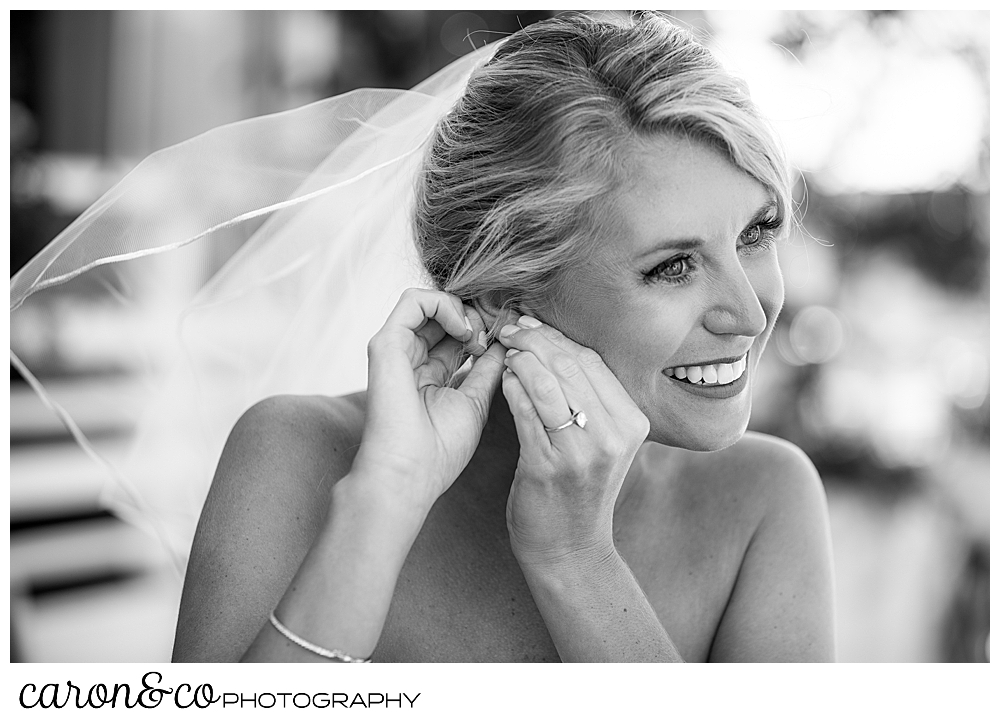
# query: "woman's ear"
{"type": "Point", "coordinates": [495, 312]}
{"type": "Point", "coordinates": [489, 307]}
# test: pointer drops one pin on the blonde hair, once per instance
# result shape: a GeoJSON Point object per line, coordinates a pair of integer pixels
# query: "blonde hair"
{"type": "Point", "coordinates": [514, 172]}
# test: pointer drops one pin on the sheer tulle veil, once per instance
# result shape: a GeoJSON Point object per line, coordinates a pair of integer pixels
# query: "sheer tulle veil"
{"type": "Point", "coordinates": [317, 200]}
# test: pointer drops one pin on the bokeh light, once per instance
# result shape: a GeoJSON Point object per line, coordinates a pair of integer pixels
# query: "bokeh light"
{"type": "Point", "coordinates": [816, 335]}
{"type": "Point", "coordinates": [883, 104]}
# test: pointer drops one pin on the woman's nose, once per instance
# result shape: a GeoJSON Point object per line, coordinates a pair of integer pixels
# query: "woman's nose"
{"type": "Point", "coordinates": [736, 309]}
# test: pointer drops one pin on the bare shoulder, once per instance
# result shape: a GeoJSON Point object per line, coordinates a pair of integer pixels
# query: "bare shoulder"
{"type": "Point", "coordinates": [268, 499]}
{"type": "Point", "coordinates": [760, 475]}
{"type": "Point", "coordinates": [287, 449]}
{"type": "Point", "coordinates": [775, 464]}
{"type": "Point", "coordinates": [774, 455]}
{"type": "Point", "coordinates": [764, 458]}
{"type": "Point", "coordinates": [285, 420]}
{"type": "Point", "coordinates": [731, 548]}
{"type": "Point", "coordinates": [774, 470]}
{"type": "Point", "coordinates": [781, 606]}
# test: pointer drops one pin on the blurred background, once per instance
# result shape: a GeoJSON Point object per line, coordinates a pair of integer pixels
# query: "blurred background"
{"type": "Point", "coordinates": [879, 367]}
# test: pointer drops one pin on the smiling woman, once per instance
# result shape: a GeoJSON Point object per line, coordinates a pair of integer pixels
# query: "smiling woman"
{"type": "Point", "coordinates": [596, 204]}
{"type": "Point", "coordinates": [696, 289]}
{"type": "Point", "coordinates": [602, 234]}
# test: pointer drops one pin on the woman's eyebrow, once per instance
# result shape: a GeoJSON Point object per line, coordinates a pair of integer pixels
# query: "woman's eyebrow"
{"type": "Point", "coordinates": [770, 207]}
{"type": "Point", "coordinates": [693, 242]}
{"type": "Point", "coordinates": [679, 244]}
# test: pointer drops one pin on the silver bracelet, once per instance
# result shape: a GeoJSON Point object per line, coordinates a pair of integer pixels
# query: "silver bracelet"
{"type": "Point", "coordinates": [334, 654]}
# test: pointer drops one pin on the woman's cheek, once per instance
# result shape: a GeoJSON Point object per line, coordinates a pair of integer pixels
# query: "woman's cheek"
{"type": "Point", "coordinates": [638, 362]}
{"type": "Point", "coordinates": [769, 285]}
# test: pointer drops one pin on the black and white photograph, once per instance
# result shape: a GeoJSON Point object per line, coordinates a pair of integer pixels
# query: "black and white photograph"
{"type": "Point", "coordinates": [499, 336]}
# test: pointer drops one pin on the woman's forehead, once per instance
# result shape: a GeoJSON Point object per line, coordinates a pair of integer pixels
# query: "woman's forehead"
{"type": "Point", "coordinates": [678, 187]}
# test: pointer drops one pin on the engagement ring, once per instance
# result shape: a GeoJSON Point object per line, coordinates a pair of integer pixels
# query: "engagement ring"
{"type": "Point", "coordinates": [578, 418]}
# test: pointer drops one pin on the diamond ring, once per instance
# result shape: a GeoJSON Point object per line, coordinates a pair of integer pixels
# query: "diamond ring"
{"type": "Point", "coordinates": [578, 418]}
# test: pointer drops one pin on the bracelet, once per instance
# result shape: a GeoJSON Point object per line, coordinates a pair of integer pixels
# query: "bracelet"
{"type": "Point", "coordinates": [334, 654]}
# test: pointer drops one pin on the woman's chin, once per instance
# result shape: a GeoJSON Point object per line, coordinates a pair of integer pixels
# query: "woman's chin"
{"type": "Point", "coordinates": [675, 420]}
{"type": "Point", "coordinates": [698, 440]}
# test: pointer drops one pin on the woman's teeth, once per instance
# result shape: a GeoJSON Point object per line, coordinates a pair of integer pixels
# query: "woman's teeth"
{"type": "Point", "coordinates": [711, 373]}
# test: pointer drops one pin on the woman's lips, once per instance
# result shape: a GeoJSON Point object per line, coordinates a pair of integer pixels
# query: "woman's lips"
{"type": "Point", "coordinates": [718, 380]}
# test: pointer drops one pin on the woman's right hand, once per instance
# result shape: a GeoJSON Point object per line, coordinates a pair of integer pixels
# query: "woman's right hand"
{"type": "Point", "coordinates": [420, 433]}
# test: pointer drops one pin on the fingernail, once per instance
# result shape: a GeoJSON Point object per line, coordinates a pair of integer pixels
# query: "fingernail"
{"type": "Point", "coordinates": [468, 325]}
{"type": "Point", "coordinates": [483, 340]}
{"type": "Point", "coordinates": [508, 330]}
{"type": "Point", "coordinates": [529, 323]}
{"type": "Point", "coordinates": [511, 352]}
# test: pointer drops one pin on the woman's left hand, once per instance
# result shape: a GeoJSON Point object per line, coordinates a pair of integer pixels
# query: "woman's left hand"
{"type": "Point", "coordinates": [562, 500]}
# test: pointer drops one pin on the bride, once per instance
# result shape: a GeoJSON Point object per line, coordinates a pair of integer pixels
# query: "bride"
{"type": "Point", "coordinates": [551, 460]}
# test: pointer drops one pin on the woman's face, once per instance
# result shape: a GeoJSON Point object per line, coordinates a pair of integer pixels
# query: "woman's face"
{"type": "Point", "coordinates": [684, 283]}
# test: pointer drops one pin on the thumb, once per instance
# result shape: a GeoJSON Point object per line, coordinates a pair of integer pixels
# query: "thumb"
{"type": "Point", "coordinates": [482, 380]}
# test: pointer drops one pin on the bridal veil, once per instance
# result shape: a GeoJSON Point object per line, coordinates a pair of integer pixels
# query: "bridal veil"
{"type": "Point", "coordinates": [317, 202]}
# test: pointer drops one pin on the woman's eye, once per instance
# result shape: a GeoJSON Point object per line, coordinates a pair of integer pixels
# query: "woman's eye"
{"type": "Point", "coordinates": [760, 236]}
{"type": "Point", "coordinates": [673, 270]}
{"type": "Point", "coordinates": [752, 235]}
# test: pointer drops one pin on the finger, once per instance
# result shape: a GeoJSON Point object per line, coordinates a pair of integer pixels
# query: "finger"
{"type": "Point", "coordinates": [603, 381]}
{"type": "Point", "coordinates": [612, 395]}
{"type": "Point", "coordinates": [417, 323]}
{"type": "Point", "coordinates": [530, 430]}
{"type": "Point", "coordinates": [418, 306]}
{"type": "Point", "coordinates": [577, 387]}
{"type": "Point", "coordinates": [482, 380]}
{"type": "Point", "coordinates": [442, 362]}
{"type": "Point", "coordinates": [431, 333]}
{"type": "Point", "coordinates": [542, 387]}
{"type": "Point", "coordinates": [395, 351]}
{"type": "Point", "coordinates": [478, 343]}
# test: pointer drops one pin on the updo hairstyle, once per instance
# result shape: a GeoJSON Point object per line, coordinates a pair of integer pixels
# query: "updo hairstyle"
{"type": "Point", "coordinates": [510, 188]}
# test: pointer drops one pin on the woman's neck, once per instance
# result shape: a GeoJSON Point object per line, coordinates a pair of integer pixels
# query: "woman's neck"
{"type": "Point", "coordinates": [487, 478]}
{"type": "Point", "coordinates": [500, 429]}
